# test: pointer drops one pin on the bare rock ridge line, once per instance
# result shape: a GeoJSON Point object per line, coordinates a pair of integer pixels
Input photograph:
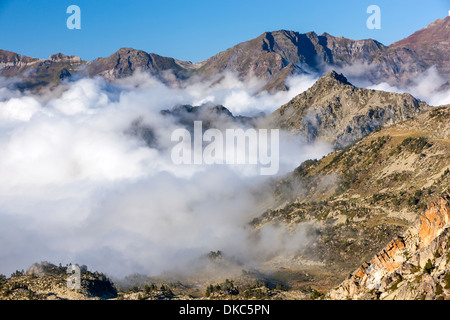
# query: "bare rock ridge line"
{"type": "Point", "coordinates": [272, 57]}
{"type": "Point", "coordinates": [425, 240]}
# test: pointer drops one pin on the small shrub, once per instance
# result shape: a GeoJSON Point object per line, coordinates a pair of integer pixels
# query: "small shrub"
{"type": "Point", "coordinates": [17, 273]}
{"type": "Point", "coordinates": [280, 287]}
{"type": "Point", "coordinates": [316, 295]}
{"type": "Point", "coordinates": [447, 280]}
{"type": "Point", "coordinates": [437, 254]}
{"type": "Point", "coordinates": [428, 267]}
{"type": "Point", "coordinates": [415, 269]}
{"type": "Point", "coordinates": [439, 290]}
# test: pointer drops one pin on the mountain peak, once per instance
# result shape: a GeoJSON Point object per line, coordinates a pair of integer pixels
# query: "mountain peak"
{"type": "Point", "coordinates": [59, 57]}
{"type": "Point", "coordinates": [127, 50]}
{"type": "Point", "coordinates": [336, 76]}
{"type": "Point", "coordinates": [332, 78]}
{"type": "Point", "coordinates": [335, 111]}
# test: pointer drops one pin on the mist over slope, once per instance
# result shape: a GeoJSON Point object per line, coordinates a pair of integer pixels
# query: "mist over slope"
{"type": "Point", "coordinates": [80, 186]}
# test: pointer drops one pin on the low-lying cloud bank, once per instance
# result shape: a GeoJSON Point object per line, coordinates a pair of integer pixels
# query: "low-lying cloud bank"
{"type": "Point", "coordinates": [425, 87]}
{"type": "Point", "coordinates": [76, 187]}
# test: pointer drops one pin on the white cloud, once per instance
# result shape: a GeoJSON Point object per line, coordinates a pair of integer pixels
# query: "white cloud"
{"type": "Point", "coordinates": [427, 86]}
{"type": "Point", "coordinates": [20, 109]}
{"type": "Point", "coordinates": [76, 188]}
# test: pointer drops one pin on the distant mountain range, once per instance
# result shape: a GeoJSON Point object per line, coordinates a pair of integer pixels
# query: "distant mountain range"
{"type": "Point", "coordinates": [273, 56]}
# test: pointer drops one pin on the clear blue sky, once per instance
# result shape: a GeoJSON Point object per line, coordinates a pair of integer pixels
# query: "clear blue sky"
{"type": "Point", "coordinates": [196, 29]}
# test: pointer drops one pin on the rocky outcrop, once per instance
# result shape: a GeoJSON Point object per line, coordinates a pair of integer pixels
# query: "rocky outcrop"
{"type": "Point", "coordinates": [433, 221]}
{"type": "Point", "coordinates": [59, 57]}
{"type": "Point", "coordinates": [46, 281]}
{"type": "Point", "coordinates": [126, 61]}
{"type": "Point", "coordinates": [36, 73]}
{"type": "Point", "coordinates": [418, 260]}
{"type": "Point", "coordinates": [386, 258]}
{"type": "Point", "coordinates": [335, 111]}
{"type": "Point", "coordinates": [13, 60]}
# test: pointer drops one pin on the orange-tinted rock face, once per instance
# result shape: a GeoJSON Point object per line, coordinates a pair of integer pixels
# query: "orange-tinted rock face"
{"type": "Point", "coordinates": [360, 273]}
{"type": "Point", "coordinates": [431, 223]}
{"type": "Point", "coordinates": [383, 260]}
{"type": "Point", "coordinates": [429, 226]}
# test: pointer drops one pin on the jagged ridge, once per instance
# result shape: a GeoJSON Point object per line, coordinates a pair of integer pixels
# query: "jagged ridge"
{"type": "Point", "coordinates": [273, 56]}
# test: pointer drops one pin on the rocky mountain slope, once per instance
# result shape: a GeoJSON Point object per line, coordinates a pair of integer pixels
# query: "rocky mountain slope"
{"type": "Point", "coordinates": [431, 44]}
{"type": "Point", "coordinates": [361, 197]}
{"type": "Point", "coordinates": [360, 202]}
{"type": "Point", "coordinates": [36, 73]}
{"type": "Point", "coordinates": [279, 54]}
{"type": "Point", "coordinates": [335, 111]}
{"type": "Point", "coordinates": [126, 61]}
{"type": "Point", "coordinates": [364, 205]}
{"type": "Point", "coordinates": [272, 57]}
{"type": "Point", "coordinates": [414, 265]}
{"type": "Point", "coordinates": [11, 62]}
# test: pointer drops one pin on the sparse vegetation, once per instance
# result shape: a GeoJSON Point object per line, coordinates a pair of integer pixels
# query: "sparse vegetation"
{"type": "Point", "coordinates": [214, 255]}
{"type": "Point", "coordinates": [415, 145]}
{"type": "Point", "coordinates": [17, 273]}
{"type": "Point", "coordinates": [224, 289]}
{"type": "Point", "coordinates": [447, 280]}
{"type": "Point", "coordinates": [394, 286]}
{"type": "Point", "coordinates": [316, 295]}
{"type": "Point", "coordinates": [428, 268]}
{"type": "Point", "coordinates": [437, 254]}
{"type": "Point", "coordinates": [415, 269]}
{"type": "Point", "coordinates": [439, 290]}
